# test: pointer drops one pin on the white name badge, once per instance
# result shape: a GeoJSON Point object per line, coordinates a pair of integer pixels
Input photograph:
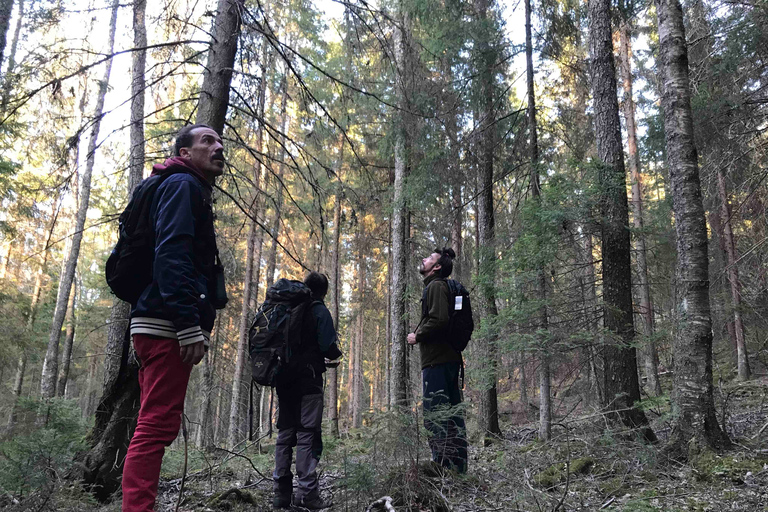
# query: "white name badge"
{"type": "Point", "coordinates": [457, 306]}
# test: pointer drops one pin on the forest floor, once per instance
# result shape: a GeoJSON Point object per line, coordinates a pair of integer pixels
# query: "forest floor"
{"type": "Point", "coordinates": [608, 468]}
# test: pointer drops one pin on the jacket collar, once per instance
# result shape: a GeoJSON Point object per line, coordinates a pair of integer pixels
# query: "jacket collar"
{"type": "Point", "coordinates": [430, 278]}
{"type": "Point", "coordinates": [177, 163]}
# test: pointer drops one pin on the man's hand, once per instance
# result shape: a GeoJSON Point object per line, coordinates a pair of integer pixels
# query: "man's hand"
{"type": "Point", "coordinates": [193, 354]}
{"type": "Point", "coordinates": [412, 339]}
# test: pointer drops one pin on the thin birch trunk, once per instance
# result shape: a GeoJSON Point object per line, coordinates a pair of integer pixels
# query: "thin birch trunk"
{"type": "Point", "coordinates": [50, 370]}
{"type": "Point", "coordinates": [742, 360]}
{"type": "Point", "coordinates": [69, 340]}
{"type": "Point", "coordinates": [694, 423]}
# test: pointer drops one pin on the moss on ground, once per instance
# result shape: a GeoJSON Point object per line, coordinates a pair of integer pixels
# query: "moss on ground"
{"type": "Point", "coordinates": [556, 473]}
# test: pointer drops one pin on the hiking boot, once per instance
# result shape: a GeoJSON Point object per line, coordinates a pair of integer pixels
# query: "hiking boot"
{"type": "Point", "coordinates": [281, 501]}
{"type": "Point", "coordinates": [313, 503]}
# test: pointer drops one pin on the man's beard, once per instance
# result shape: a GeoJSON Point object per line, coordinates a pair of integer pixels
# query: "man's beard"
{"type": "Point", "coordinates": [422, 270]}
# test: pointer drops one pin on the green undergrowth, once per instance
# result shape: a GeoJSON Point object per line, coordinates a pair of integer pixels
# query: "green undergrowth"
{"type": "Point", "coordinates": [589, 464]}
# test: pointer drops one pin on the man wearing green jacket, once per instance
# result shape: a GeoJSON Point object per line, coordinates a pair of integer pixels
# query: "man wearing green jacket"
{"type": "Point", "coordinates": [440, 365]}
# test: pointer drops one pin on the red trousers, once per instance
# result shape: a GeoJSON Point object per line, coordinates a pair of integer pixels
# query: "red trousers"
{"type": "Point", "coordinates": [163, 379]}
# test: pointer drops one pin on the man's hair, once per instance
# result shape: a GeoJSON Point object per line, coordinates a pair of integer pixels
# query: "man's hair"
{"type": "Point", "coordinates": [185, 137]}
{"type": "Point", "coordinates": [446, 261]}
{"type": "Point", "coordinates": [317, 284]}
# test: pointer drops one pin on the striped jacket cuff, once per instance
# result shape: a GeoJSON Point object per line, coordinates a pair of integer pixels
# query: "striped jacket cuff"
{"type": "Point", "coordinates": [165, 329]}
{"type": "Point", "coordinates": [191, 335]}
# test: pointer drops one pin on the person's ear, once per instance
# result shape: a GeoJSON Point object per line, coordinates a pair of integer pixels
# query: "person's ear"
{"type": "Point", "coordinates": [184, 152]}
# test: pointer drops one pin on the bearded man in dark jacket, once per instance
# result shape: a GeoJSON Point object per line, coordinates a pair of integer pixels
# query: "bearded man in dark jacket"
{"type": "Point", "coordinates": [441, 365]}
{"type": "Point", "coordinates": [172, 320]}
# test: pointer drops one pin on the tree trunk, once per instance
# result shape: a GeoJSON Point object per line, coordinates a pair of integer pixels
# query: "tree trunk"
{"type": "Point", "coordinates": [138, 88]}
{"type": "Point", "coordinates": [50, 370]}
{"type": "Point", "coordinates": [644, 289]}
{"type": "Point", "coordinates": [733, 278]}
{"type": "Point", "coordinates": [457, 179]}
{"type": "Point", "coordinates": [204, 440]}
{"type": "Point", "coordinates": [251, 279]}
{"type": "Point", "coordinates": [622, 387]}
{"type": "Point", "coordinates": [591, 302]}
{"type": "Point", "coordinates": [235, 414]}
{"type": "Point", "coordinates": [7, 77]}
{"type": "Point", "coordinates": [33, 309]}
{"type": "Point", "coordinates": [69, 340]}
{"type": "Point", "coordinates": [6, 8]}
{"type": "Point", "coordinates": [275, 228]}
{"type": "Point", "coordinates": [694, 421]}
{"type": "Point", "coordinates": [399, 373]}
{"type": "Point", "coordinates": [333, 376]}
{"type": "Point", "coordinates": [542, 323]}
{"type": "Point", "coordinates": [489, 415]}
{"type": "Point", "coordinates": [356, 364]}
{"type": "Point", "coordinates": [214, 95]}
{"type": "Point", "coordinates": [18, 382]}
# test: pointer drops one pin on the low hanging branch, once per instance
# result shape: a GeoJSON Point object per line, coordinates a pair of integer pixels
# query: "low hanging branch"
{"type": "Point", "coordinates": [56, 82]}
{"type": "Point", "coordinates": [262, 226]}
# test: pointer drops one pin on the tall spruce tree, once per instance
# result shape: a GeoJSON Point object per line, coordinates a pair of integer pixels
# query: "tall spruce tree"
{"type": "Point", "coordinates": [621, 385]}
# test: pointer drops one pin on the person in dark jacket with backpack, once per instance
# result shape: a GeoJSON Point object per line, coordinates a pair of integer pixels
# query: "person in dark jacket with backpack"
{"type": "Point", "coordinates": [174, 315]}
{"type": "Point", "coordinates": [300, 405]}
{"type": "Point", "coordinates": [441, 364]}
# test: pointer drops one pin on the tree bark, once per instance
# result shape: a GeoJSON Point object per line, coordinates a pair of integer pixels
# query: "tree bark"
{"type": "Point", "coordinates": [50, 369]}
{"type": "Point", "coordinates": [542, 323]}
{"type": "Point", "coordinates": [644, 289]}
{"type": "Point", "coordinates": [333, 376]}
{"type": "Point", "coordinates": [7, 77]}
{"type": "Point", "coordinates": [622, 387]}
{"type": "Point", "coordinates": [214, 95]}
{"type": "Point", "coordinates": [204, 439]}
{"type": "Point", "coordinates": [21, 366]}
{"type": "Point", "coordinates": [694, 421]}
{"type": "Point", "coordinates": [399, 373]}
{"type": "Point", "coordinates": [251, 279]}
{"type": "Point", "coordinates": [138, 88]}
{"type": "Point", "coordinates": [6, 8]}
{"type": "Point", "coordinates": [275, 227]}
{"type": "Point", "coordinates": [457, 179]}
{"type": "Point", "coordinates": [69, 340]}
{"type": "Point", "coordinates": [742, 360]}
{"type": "Point", "coordinates": [356, 364]}
{"type": "Point", "coordinates": [489, 415]}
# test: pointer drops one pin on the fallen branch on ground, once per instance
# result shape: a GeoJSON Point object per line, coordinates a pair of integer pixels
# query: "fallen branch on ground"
{"type": "Point", "coordinates": [385, 501]}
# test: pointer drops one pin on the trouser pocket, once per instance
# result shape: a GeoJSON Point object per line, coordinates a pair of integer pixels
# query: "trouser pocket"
{"type": "Point", "coordinates": [311, 412]}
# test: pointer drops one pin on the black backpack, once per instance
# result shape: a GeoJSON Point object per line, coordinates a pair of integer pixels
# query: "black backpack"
{"type": "Point", "coordinates": [275, 337]}
{"type": "Point", "coordinates": [461, 324]}
{"type": "Point", "coordinates": [129, 267]}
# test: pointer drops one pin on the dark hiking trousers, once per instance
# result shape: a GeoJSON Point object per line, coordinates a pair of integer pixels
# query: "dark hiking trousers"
{"type": "Point", "coordinates": [299, 420]}
{"type": "Point", "coordinates": [444, 415]}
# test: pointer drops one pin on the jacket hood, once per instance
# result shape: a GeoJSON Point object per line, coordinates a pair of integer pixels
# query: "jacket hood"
{"type": "Point", "coordinates": [179, 161]}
